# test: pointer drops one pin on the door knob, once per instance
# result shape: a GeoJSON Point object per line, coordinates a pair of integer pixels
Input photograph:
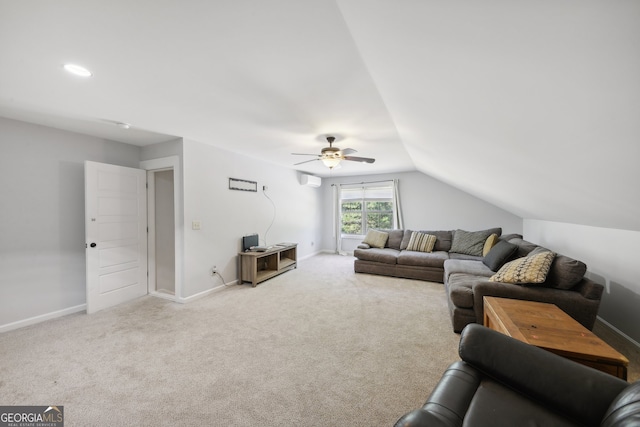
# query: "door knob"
{"type": "Point", "coordinates": [93, 245]}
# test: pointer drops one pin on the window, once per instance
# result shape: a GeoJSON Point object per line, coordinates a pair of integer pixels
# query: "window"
{"type": "Point", "coordinates": [365, 208]}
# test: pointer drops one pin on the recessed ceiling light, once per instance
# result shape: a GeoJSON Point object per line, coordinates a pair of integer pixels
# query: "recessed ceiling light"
{"type": "Point", "coordinates": [77, 70]}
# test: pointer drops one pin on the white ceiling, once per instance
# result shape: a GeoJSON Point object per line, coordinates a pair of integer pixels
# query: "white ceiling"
{"type": "Point", "coordinates": [531, 105]}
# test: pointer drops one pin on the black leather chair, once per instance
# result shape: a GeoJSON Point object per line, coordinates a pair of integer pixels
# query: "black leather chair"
{"type": "Point", "coordinates": [504, 382]}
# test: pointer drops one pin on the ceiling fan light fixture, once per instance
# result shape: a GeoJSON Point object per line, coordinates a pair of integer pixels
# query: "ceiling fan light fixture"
{"type": "Point", "coordinates": [331, 162]}
{"type": "Point", "coordinates": [332, 156]}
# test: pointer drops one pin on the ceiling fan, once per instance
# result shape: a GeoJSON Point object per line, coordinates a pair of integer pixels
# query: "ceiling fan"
{"type": "Point", "coordinates": [332, 156]}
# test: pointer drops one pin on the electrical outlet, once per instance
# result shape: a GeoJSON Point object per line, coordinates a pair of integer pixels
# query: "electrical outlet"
{"type": "Point", "coordinates": [214, 270]}
{"type": "Point", "coordinates": [195, 225]}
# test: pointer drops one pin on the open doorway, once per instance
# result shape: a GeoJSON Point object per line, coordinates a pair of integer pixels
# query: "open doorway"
{"type": "Point", "coordinates": [162, 271]}
{"type": "Point", "coordinates": [163, 237]}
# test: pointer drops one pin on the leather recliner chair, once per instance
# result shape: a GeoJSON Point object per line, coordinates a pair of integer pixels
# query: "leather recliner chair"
{"type": "Point", "coordinates": [501, 381]}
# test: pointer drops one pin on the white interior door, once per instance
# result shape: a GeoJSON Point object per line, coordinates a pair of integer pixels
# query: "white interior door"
{"type": "Point", "coordinates": [116, 234]}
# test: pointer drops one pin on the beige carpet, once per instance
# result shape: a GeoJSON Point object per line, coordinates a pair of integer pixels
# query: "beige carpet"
{"type": "Point", "coordinates": [317, 346]}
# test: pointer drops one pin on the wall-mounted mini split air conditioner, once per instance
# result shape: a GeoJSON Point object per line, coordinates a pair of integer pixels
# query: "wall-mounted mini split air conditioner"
{"type": "Point", "coordinates": [310, 180]}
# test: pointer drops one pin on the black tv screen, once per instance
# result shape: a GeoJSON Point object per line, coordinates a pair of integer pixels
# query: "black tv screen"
{"type": "Point", "coordinates": [249, 241]}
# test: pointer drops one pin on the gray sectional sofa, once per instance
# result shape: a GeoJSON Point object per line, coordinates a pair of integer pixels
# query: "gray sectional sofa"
{"type": "Point", "coordinates": [466, 273]}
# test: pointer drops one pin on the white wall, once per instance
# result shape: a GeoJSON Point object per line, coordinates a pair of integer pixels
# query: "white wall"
{"type": "Point", "coordinates": [427, 204]}
{"type": "Point", "coordinates": [226, 215]}
{"type": "Point", "coordinates": [161, 150]}
{"type": "Point", "coordinates": [612, 258]}
{"type": "Point", "coordinates": [42, 243]}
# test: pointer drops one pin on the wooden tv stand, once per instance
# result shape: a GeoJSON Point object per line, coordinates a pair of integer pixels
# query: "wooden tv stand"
{"type": "Point", "coordinates": [256, 267]}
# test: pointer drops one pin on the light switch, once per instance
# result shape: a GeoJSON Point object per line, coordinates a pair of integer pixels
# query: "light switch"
{"type": "Point", "coordinates": [195, 225]}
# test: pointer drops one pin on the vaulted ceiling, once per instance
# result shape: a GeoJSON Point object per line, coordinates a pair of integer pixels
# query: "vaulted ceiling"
{"type": "Point", "coordinates": [531, 105]}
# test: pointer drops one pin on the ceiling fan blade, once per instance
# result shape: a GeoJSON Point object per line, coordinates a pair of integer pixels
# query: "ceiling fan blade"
{"type": "Point", "coordinates": [306, 161]}
{"type": "Point", "coordinates": [348, 151]}
{"type": "Point", "coordinates": [360, 159]}
{"type": "Point", "coordinates": [304, 154]}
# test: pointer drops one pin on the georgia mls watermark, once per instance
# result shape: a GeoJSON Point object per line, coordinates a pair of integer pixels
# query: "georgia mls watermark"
{"type": "Point", "coordinates": [31, 416]}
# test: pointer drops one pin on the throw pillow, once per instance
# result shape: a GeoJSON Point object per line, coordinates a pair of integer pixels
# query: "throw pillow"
{"type": "Point", "coordinates": [421, 242]}
{"type": "Point", "coordinates": [376, 239]}
{"type": "Point", "coordinates": [469, 242]}
{"type": "Point", "coordinates": [443, 239]}
{"type": "Point", "coordinates": [395, 239]}
{"type": "Point", "coordinates": [499, 254]}
{"type": "Point", "coordinates": [529, 269]}
{"type": "Point", "coordinates": [489, 243]}
{"type": "Point", "coordinates": [405, 239]}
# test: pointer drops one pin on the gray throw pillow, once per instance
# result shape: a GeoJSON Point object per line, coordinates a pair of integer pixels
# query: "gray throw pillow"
{"type": "Point", "coordinates": [499, 255]}
{"type": "Point", "coordinates": [395, 239]}
{"type": "Point", "coordinates": [469, 242]}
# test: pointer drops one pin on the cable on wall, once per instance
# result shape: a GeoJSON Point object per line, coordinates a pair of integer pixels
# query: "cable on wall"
{"type": "Point", "coordinates": [264, 191]}
{"type": "Point", "coordinates": [224, 282]}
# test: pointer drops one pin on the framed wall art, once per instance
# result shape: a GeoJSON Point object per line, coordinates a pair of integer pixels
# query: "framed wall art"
{"type": "Point", "coordinates": [242, 185]}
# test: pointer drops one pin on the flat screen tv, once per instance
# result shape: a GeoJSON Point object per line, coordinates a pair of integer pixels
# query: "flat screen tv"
{"type": "Point", "coordinates": [249, 241]}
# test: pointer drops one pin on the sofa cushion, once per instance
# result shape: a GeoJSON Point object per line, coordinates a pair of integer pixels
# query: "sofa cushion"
{"type": "Point", "coordinates": [443, 239]}
{"type": "Point", "coordinates": [376, 239]}
{"type": "Point", "coordinates": [495, 404]}
{"type": "Point", "coordinates": [476, 268]}
{"type": "Point", "coordinates": [530, 269]}
{"type": "Point", "coordinates": [453, 255]}
{"type": "Point", "coordinates": [499, 255]}
{"type": "Point", "coordinates": [421, 242]}
{"type": "Point", "coordinates": [423, 259]}
{"type": "Point", "coordinates": [395, 239]}
{"type": "Point", "coordinates": [471, 242]}
{"type": "Point", "coordinates": [460, 288]}
{"type": "Point", "coordinates": [565, 272]}
{"type": "Point", "coordinates": [510, 236]}
{"type": "Point", "coordinates": [524, 247]}
{"type": "Point", "coordinates": [385, 255]}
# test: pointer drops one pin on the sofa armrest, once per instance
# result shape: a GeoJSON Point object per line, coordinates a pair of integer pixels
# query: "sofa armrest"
{"type": "Point", "coordinates": [424, 418]}
{"type": "Point", "coordinates": [449, 400]}
{"type": "Point", "coordinates": [581, 393]}
{"type": "Point", "coordinates": [589, 289]}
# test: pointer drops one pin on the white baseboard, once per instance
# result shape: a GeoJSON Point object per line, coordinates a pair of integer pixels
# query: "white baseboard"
{"type": "Point", "coordinates": [619, 332]}
{"type": "Point", "coordinates": [333, 252]}
{"type": "Point", "coordinates": [83, 307]}
{"type": "Point", "coordinates": [43, 317]}
{"type": "Point", "coordinates": [205, 293]}
{"type": "Point", "coordinates": [168, 297]}
{"type": "Point", "coordinates": [310, 255]}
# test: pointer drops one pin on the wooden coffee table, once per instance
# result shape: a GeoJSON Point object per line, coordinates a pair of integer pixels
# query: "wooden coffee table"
{"type": "Point", "coordinates": [548, 327]}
